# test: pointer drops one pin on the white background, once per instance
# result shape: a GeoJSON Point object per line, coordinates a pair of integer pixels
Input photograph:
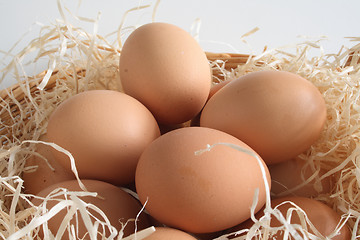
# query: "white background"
{"type": "Point", "coordinates": [280, 22]}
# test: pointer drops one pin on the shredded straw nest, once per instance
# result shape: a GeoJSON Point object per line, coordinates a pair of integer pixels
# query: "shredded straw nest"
{"type": "Point", "coordinates": [80, 61]}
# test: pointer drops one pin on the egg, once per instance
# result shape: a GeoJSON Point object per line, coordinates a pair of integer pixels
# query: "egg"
{"type": "Point", "coordinates": [164, 128]}
{"type": "Point", "coordinates": [195, 122]}
{"type": "Point", "coordinates": [324, 218]}
{"type": "Point", "coordinates": [208, 236]}
{"type": "Point", "coordinates": [199, 193]}
{"type": "Point", "coordinates": [45, 173]}
{"type": "Point", "coordinates": [164, 233]}
{"type": "Point", "coordinates": [105, 131]}
{"type": "Point", "coordinates": [216, 87]}
{"type": "Point", "coordinates": [118, 206]}
{"type": "Point", "coordinates": [165, 68]}
{"type": "Point", "coordinates": [288, 178]}
{"type": "Point", "coordinates": [277, 113]}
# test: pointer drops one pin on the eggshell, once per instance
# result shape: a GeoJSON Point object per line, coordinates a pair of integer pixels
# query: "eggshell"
{"type": "Point", "coordinates": [118, 206]}
{"type": "Point", "coordinates": [279, 114]}
{"type": "Point", "coordinates": [195, 122]}
{"type": "Point", "coordinates": [45, 173]}
{"type": "Point", "coordinates": [105, 131]}
{"type": "Point", "coordinates": [216, 87]}
{"type": "Point", "coordinates": [288, 177]}
{"type": "Point", "coordinates": [201, 193]}
{"type": "Point", "coordinates": [324, 218]}
{"type": "Point", "coordinates": [164, 233]}
{"type": "Point", "coordinates": [164, 67]}
{"type": "Point", "coordinates": [167, 128]}
{"type": "Point", "coordinates": [207, 236]}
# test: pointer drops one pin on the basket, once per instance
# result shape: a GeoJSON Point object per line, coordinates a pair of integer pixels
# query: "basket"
{"type": "Point", "coordinates": [15, 95]}
{"type": "Point", "coordinates": [19, 102]}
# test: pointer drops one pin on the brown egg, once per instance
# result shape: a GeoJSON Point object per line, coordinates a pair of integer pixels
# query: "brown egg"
{"type": "Point", "coordinates": [207, 236]}
{"type": "Point", "coordinates": [118, 206]}
{"type": "Point", "coordinates": [167, 128]}
{"type": "Point", "coordinates": [199, 236]}
{"type": "Point", "coordinates": [44, 175]}
{"type": "Point", "coordinates": [164, 67]}
{"type": "Point", "coordinates": [288, 178]}
{"type": "Point", "coordinates": [279, 114]}
{"type": "Point", "coordinates": [215, 88]}
{"type": "Point", "coordinates": [195, 122]}
{"type": "Point", "coordinates": [324, 218]}
{"type": "Point", "coordinates": [105, 131]}
{"type": "Point", "coordinates": [164, 233]}
{"type": "Point", "coordinates": [199, 193]}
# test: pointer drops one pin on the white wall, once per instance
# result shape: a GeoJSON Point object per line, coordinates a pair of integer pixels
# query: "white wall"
{"type": "Point", "coordinates": [280, 22]}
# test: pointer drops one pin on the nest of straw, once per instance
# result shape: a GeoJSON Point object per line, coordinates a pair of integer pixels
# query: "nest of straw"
{"type": "Point", "coordinates": [79, 61]}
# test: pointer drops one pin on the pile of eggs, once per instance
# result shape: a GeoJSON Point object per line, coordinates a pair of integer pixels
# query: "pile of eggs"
{"type": "Point", "coordinates": [137, 139]}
